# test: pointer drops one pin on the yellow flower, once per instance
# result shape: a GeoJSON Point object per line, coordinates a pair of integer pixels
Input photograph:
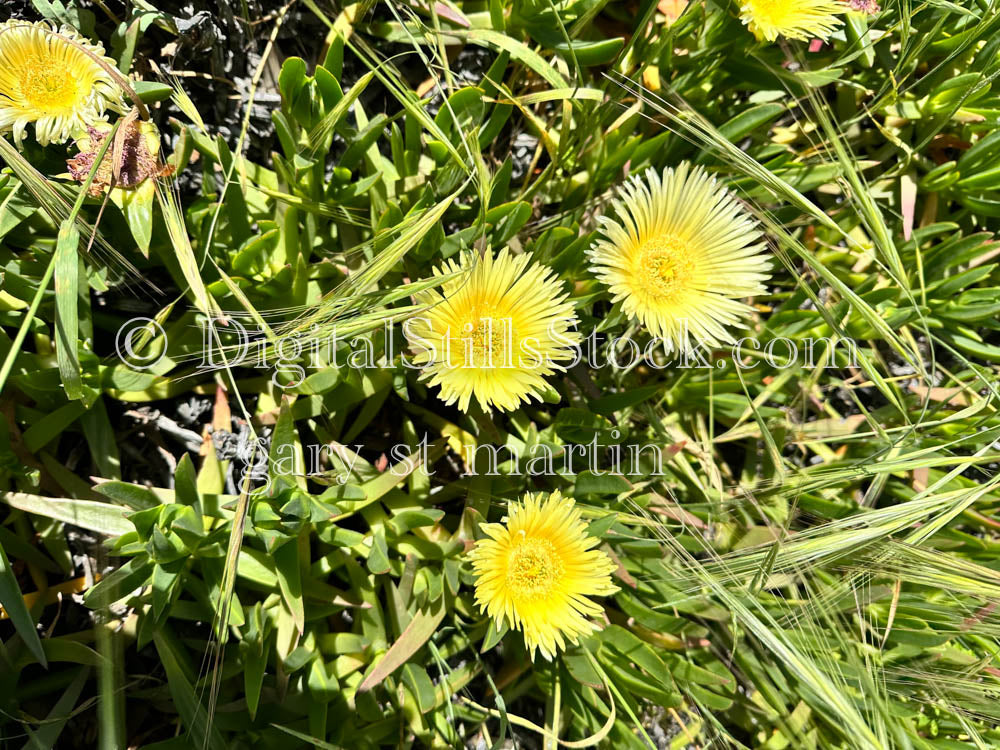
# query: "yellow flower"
{"type": "Point", "coordinates": [536, 572]}
{"type": "Point", "coordinates": [681, 256]}
{"type": "Point", "coordinates": [795, 19]}
{"type": "Point", "coordinates": [494, 332]}
{"type": "Point", "coordinates": [51, 82]}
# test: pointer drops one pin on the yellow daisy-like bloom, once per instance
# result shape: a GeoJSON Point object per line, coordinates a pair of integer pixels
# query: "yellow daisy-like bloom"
{"type": "Point", "coordinates": [536, 572]}
{"type": "Point", "coordinates": [494, 331]}
{"type": "Point", "coordinates": [681, 256]}
{"type": "Point", "coordinates": [46, 80]}
{"type": "Point", "coordinates": [794, 19]}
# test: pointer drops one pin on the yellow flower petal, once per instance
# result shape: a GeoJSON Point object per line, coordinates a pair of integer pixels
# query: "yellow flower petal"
{"type": "Point", "coordinates": [680, 256]}
{"type": "Point", "coordinates": [537, 571]}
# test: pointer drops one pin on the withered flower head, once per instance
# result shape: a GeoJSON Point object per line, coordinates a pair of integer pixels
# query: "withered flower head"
{"type": "Point", "coordinates": [871, 7]}
{"type": "Point", "coordinates": [138, 161]}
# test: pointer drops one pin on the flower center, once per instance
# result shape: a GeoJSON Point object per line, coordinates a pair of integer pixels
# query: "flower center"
{"type": "Point", "coordinates": [665, 265]}
{"type": "Point", "coordinates": [484, 342]}
{"type": "Point", "coordinates": [533, 567]}
{"type": "Point", "coordinates": [47, 84]}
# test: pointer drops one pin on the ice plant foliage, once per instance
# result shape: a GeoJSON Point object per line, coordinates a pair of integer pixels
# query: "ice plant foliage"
{"type": "Point", "coordinates": [794, 19]}
{"type": "Point", "coordinates": [537, 571]}
{"type": "Point", "coordinates": [46, 78]}
{"type": "Point", "coordinates": [494, 331]}
{"type": "Point", "coordinates": [680, 256]}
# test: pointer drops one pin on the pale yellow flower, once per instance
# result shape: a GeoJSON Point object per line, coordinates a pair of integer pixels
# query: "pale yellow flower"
{"type": "Point", "coordinates": [494, 332]}
{"type": "Point", "coordinates": [536, 572]}
{"type": "Point", "coordinates": [52, 82]}
{"type": "Point", "coordinates": [794, 19]}
{"type": "Point", "coordinates": [681, 255]}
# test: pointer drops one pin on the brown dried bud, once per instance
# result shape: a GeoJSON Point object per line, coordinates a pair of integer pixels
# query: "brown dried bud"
{"type": "Point", "coordinates": [138, 161]}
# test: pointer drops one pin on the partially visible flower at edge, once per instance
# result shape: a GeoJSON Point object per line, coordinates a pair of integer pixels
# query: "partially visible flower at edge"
{"type": "Point", "coordinates": [47, 79]}
{"type": "Point", "coordinates": [793, 19]}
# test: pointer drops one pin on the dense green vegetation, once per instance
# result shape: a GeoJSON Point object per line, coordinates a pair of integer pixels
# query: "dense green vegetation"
{"type": "Point", "coordinates": [232, 514]}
